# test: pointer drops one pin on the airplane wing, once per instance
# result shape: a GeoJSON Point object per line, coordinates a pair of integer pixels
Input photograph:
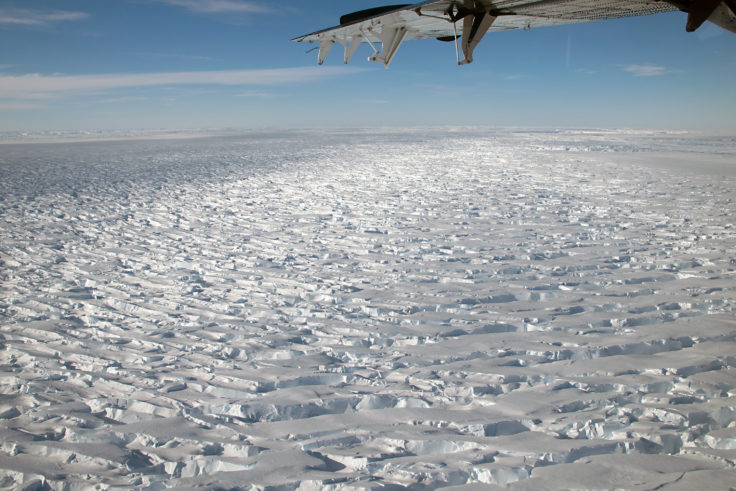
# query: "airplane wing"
{"type": "Point", "coordinates": [467, 21]}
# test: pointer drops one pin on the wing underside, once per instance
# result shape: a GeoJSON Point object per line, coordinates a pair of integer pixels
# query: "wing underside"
{"type": "Point", "coordinates": [470, 20]}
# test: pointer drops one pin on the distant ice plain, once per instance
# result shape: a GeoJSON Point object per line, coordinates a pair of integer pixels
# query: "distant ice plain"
{"type": "Point", "coordinates": [429, 307]}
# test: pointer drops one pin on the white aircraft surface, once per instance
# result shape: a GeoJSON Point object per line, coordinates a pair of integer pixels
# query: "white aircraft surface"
{"type": "Point", "coordinates": [393, 24]}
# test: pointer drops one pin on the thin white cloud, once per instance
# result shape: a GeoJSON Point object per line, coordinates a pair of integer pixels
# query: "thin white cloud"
{"type": "Point", "coordinates": [255, 93]}
{"type": "Point", "coordinates": [34, 96]}
{"type": "Point", "coordinates": [177, 56]}
{"type": "Point", "coordinates": [115, 100]}
{"type": "Point", "coordinates": [219, 6]}
{"type": "Point", "coordinates": [16, 105]}
{"type": "Point", "coordinates": [585, 71]}
{"type": "Point", "coordinates": [24, 86]}
{"type": "Point", "coordinates": [646, 70]}
{"type": "Point", "coordinates": [38, 18]}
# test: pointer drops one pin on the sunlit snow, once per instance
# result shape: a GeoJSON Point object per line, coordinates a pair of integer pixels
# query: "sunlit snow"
{"type": "Point", "coordinates": [370, 308]}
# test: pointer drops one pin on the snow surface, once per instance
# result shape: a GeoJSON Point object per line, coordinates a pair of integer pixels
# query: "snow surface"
{"type": "Point", "coordinates": [370, 309]}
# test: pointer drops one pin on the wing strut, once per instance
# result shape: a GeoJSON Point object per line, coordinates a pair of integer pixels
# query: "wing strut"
{"type": "Point", "coordinates": [457, 52]}
{"type": "Point", "coordinates": [391, 39]}
{"type": "Point", "coordinates": [351, 45]}
{"type": "Point", "coordinates": [475, 26]}
{"type": "Point", "coordinates": [325, 46]}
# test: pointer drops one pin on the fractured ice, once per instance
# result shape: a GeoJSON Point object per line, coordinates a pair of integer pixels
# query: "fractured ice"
{"type": "Point", "coordinates": [370, 308]}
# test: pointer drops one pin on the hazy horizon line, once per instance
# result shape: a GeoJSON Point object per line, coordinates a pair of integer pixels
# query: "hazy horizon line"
{"type": "Point", "coordinates": [92, 135]}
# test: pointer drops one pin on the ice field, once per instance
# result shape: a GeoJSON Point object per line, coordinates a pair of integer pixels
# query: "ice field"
{"type": "Point", "coordinates": [370, 309]}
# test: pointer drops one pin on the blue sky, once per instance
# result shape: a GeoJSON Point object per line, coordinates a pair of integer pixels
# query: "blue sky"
{"type": "Point", "coordinates": [174, 64]}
